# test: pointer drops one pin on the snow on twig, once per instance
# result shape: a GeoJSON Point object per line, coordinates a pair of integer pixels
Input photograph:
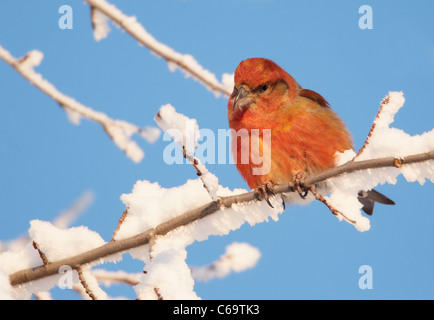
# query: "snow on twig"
{"type": "Point", "coordinates": [118, 130]}
{"type": "Point", "coordinates": [110, 277]}
{"type": "Point", "coordinates": [382, 141]}
{"type": "Point", "coordinates": [187, 63]}
{"type": "Point", "coordinates": [238, 257]}
{"type": "Point", "coordinates": [185, 132]}
{"type": "Point", "coordinates": [90, 284]}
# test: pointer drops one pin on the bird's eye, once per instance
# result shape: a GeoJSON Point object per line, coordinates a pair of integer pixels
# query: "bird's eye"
{"type": "Point", "coordinates": [264, 87]}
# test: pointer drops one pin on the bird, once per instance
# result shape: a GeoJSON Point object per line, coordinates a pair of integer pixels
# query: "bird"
{"type": "Point", "coordinates": [295, 127]}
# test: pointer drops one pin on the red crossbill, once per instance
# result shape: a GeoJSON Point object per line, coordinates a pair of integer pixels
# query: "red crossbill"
{"type": "Point", "coordinates": [296, 128]}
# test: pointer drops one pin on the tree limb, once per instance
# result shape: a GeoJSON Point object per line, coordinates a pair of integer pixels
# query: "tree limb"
{"type": "Point", "coordinates": [118, 130]}
{"type": "Point", "coordinates": [186, 62]}
{"type": "Point", "coordinates": [113, 247]}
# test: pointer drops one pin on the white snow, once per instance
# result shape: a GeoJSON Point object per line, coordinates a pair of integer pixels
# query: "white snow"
{"type": "Point", "coordinates": [57, 243]}
{"type": "Point", "coordinates": [150, 204]}
{"type": "Point", "coordinates": [175, 60]}
{"type": "Point", "coordinates": [24, 258]}
{"type": "Point", "coordinates": [385, 141]}
{"type": "Point", "coordinates": [6, 290]}
{"type": "Point", "coordinates": [228, 81]}
{"type": "Point", "coordinates": [151, 134]}
{"type": "Point", "coordinates": [169, 273]}
{"type": "Point", "coordinates": [120, 131]}
{"type": "Point", "coordinates": [101, 28]}
{"type": "Point", "coordinates": [182, 129]}
{"type": "Point", "coordinates": [185, 132]}
{"type": "Point", "coordinates": [239, 256]}
{"type": "Point", "coordinates": [92, 283]}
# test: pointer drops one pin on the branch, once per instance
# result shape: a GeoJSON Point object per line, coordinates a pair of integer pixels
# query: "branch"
{"type": "Point", "coordinates": [186, 135]}
{"type": "Point", "coordinates": [109, 277]}
{"type": "Point", "coordinates": [175, 59]}
{"type": "Point", "coordinates": [118, 246]}
{"type": "Point", "coordinates": [238, 257]}
{"type": "Point", "coordinates": [119, 131]}
{"type": "Point", "coordinates": [85, 285]}
{"type": "Point", "coordinates": [374, 125]}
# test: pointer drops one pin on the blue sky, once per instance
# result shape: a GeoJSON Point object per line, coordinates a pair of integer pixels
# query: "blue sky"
{"type": "Point", "coordinates": [46, 162]}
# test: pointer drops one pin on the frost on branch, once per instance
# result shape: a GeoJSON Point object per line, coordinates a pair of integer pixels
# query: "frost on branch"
{"type": "Point", "coordinates": [100, 25]}
{"type": "Point", "coordinates": [119, 131]}
{"type": "Point", "coordinates": [383, 141]}
{"type": "Point", "coordinates": [238, 257]}
{"type": "Point", "coordinates": [100, 10]}
{"type": "Point", "coordinates": [185, 132]}
{"type": "Point", "coordinates": [52, 244]}
{"type": "Point", "coordinates": [59, 244]}
{"type": "Point", "coordinates": [149, 205]}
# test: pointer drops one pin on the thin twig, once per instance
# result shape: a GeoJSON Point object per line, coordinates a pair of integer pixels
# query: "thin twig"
{"type": "Point", "coordinates": [371, 131]}
{"type": "Point", "coordinates": [158, 294]}
{"type": "Point", "coordinates": [152, 241]}
{"type": "Point", "coordinates": [41, 254]}
{"type": "Point", "coordinates": [165, 119]}
{"type": "Point", "coordinates": [186, 62]}
{"type": "Point", "coordinates": [120, 221]}
{"type": "Point", "coordinates": [108, 277]}
{"type": "Point", "coordinates": [113, 247]}
{"type": "Point", "coordinates": [333, 210]}
{"type": "Point", "coordinates": [119, 131]}
{"type": "Point", "coordinates": [83, 282]}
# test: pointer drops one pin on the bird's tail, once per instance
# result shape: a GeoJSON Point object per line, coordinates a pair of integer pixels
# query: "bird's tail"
{"type": "Point", "coordinates": [368, 199]}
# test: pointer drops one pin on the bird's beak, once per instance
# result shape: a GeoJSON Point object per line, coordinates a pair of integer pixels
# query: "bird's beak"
{"type": "Point", "coordinates": [241, 94]}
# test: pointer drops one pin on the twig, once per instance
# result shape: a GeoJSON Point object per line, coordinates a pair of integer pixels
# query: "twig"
{"type": "Point", "coordinates": [333, 210]}
{"type": "Point", "coordinates": [157, 292]}
{"type": "Point", "coordinates": [371, 131]}
{"type": "Point", "coordinates": [117, 276]}
{"type": "Point", "coordinates": [168, 119]}
{"type": "Point", "coordinates": [152, 240]}
{"type": "Point", "coordinates": [41, 254]}
{"type": "Point", "coordinates": [121, 220]}
{"type": "Point", "coordinates": [119, 131]}
{"type": "Point", "coordinates": [85, 285]}
{"type": "Point", "coordinates": [112, 247]}
{"type": "Point", "coordinates": [184, 61]}
{"type": "Point", "coordinates": [203, 173]}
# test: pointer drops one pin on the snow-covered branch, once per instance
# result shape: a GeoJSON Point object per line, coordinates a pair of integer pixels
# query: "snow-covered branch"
{"type": "Point", "coordinates": [185, 132]}
{"type": "Point", "coordinates": [122, 245]}
{"type": "Point", "coordinates": [238, 257]}
{"type": "Point", "coordinates": [118, 130]}
{"type": "Point", "coordinates": [185, 62]}
{"type": "Point", "coordinates": [192, 215]}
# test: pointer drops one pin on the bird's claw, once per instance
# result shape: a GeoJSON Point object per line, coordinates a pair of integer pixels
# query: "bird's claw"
{"type": "Point", "coordinates": [298, 181]}
{"type": "Point", "coordinates": [264, 190]}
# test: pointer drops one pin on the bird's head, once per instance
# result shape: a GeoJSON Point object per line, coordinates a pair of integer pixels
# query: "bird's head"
{"type": "Point", "coordinates": [259, 85]}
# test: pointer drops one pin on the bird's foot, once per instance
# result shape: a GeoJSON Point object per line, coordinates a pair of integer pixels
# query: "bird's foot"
{"type": "Point", "coordinates": [264, 190]}
{"type": "Point", "coordinates": [298, 182]}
